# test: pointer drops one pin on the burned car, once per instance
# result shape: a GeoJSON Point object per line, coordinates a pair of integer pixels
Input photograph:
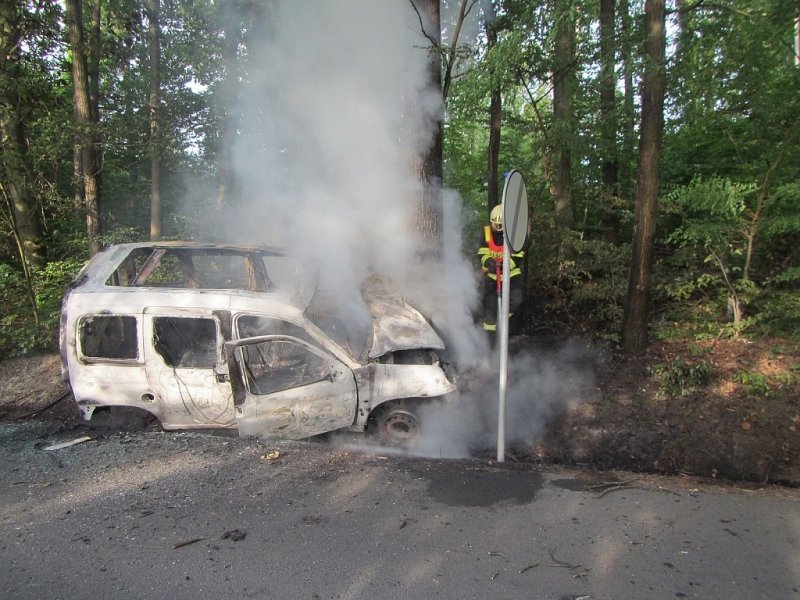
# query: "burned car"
{"type": "Point", "coordinates": [229, 336]}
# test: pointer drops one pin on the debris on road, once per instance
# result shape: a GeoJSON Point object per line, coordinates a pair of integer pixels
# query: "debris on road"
{"type": "Point", "coordinates": [74, 442]}
{"type": "Point", "coordinates": [235, 535]}
{"type": "Point", "coordinates": [607, 487]}
{"type": "Point", "coordinates": [187, 543]}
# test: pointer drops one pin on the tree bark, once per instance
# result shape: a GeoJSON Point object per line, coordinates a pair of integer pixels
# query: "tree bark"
{"type": "Point", "coordinates": [94, 92]}
{"type": "Point", "coordinates": [495, 120]}
{"type": "Point", "coordinates": [229, 93]}
{"type": "Point", "coordinates": [563, 90]}
{"type": "Point", "coordinates": [635, 320]}
{"type": "Point", "coordinates": [84, 124]}
{"type": "Point", "coordinates": [15, 166]}
{"type": "Point", "coordinates": [154, 48]}
{"type": "Point", "coordinates": [428, 213]}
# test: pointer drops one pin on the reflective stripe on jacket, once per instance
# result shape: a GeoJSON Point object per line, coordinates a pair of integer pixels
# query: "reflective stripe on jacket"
{"type": "Point", "coordinates": [495, 251]}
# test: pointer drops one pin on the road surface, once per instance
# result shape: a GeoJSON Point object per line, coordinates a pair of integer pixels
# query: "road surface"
{"type": "Point", "coordinates": [197, 515]}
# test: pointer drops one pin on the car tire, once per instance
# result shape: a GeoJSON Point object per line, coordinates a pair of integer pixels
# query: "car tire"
{"type": "Point", "coordinates": [396, 424]}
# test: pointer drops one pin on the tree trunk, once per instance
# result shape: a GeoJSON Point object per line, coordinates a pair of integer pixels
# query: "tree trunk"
{"type": "Point", "coordinates": [15, 165]}
{"type": "Point", "coordinates": [635, 320]}
{"type": "Point", "coordinates": [154, 48]}
{"type": "Point", "coordinates": [428, 214]}
{"type": "Point", "coordinates": [608, 118]}
{"type": "Point", "coordinates": [495, 121]}
{"type": "Point", "coordinates": [229, 93]}
{"type": "Point", "coordinates": [563, 90]}
{"type": "Point", "coordinates": [95, 48]}
{"type": "Point", "coordinates": [82, 115]}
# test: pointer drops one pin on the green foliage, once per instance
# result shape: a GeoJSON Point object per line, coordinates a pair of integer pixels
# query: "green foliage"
{"type": "Point", "coordinates": [580, 289]}
{"type": "Point", "coordinates": [721, 199]}
{"type": "Point", "coordinates": [678, 377]}
{"type": "Point", "coordinates": [731, 153]}
{"type": "Point", "coordinates": [753, 384]}
{"type": "Point", "coordinates": [714, 222]}
{"type": "Point", "coordinates": [20, 331]}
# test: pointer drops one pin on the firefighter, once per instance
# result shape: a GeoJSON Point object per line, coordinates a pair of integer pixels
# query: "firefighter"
{"type": "Point", "coordinates": [490, 254]}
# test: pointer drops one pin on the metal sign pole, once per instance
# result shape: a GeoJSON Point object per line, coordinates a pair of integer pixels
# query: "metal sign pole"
{"type": "Point", "coordinates": [502, 326]}
{"type": "Point", "coordinates": [515, 232]}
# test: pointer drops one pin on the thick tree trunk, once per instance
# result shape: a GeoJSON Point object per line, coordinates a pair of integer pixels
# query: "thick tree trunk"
{"type": "Point", "coordinates": [15, 168]}
{"type": "Point", "coordinates": [84, 124]}
{"type": "Point", "coordinates": [94, 92]}
{"type": "Point", "coordinates": [608, 129]}
{"type": "Point", "coordinates": [16, 185]}
{"type": "Point", "coordinates": [428, 214]}
{"type": "Point", "coordinates": [563, 90]}
{"type": "Point", "coordinates": [154, 48]}
{"type": "Point", "coordinates": [229, 92]}
{"type": "Point", "coordinates": [635, 320]}
{"type": "Point", "coordinates": [495, 122]}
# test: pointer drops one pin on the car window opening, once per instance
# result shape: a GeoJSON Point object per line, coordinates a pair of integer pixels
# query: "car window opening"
{"type": "Point", "coordinates": [278, 365]}
{"type": "Point", "coordinates": [109, 336]}
{"type": "Point", "coordinates": [184, 342]}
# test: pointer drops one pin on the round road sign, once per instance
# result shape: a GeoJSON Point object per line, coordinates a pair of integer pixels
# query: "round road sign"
{"type": "Point", "coordinates": [515, 211]}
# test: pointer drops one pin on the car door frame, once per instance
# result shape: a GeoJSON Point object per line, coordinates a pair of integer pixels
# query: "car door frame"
{"type": "Point", "coordinates": [188, 397]}
{"type": "Point", "coordinates": [298, 412]}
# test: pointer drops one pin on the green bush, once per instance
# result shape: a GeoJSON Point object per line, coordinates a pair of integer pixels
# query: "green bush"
{"type": "Point", "coordinates": [678, 377]}
{"type": "Point", "coordinates": [580, 289]}
{"type": "Point", "coordinates": [23, 330]}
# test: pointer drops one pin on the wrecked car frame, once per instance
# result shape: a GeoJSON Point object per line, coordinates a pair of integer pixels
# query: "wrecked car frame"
{"type": "Point", "coordinates": [227, 336]}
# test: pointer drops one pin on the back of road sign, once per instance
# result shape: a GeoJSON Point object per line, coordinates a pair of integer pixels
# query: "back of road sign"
{"type": "Point", "coordinates": [515, 211]}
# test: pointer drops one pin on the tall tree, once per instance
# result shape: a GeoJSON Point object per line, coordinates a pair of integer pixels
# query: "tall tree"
{"type": "Point", "coordinates": [15, 183]}
{"type": "Point", "coordinates": [428, 219]}
{"type": "Point", "coordinates": [154, 51]}
{"type": "Point", "coordinates": [563, 121]}
{"type": "Point", "coordinates": [636, 312]}
{"type": "Point", "coordinates": [627, 121]}
{"type": "Point", "coordinates": [84, 124]}
{"type": "Point", "coordinates": [229, 14]}
{"type": "Point", "coordinates": [608, 120]}
{"type": "Point", "coordinates": [495, 114]}
{"type": "Point", "coordinates": [94, 51]}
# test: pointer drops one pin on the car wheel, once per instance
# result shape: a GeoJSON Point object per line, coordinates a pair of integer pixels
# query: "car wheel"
{"type": "Point", "coordinates": [397, 425]}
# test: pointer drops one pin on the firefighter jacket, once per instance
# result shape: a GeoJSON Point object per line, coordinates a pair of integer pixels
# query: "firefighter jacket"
{"type": "Point", "coordinates": [491, 255]}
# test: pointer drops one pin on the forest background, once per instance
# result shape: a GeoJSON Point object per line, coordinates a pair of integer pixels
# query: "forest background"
{"type": "Point", "coordinates": [660, 142]}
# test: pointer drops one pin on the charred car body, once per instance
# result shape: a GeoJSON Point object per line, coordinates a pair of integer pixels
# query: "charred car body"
{"type": "Point", "coordinates": [226, 336]}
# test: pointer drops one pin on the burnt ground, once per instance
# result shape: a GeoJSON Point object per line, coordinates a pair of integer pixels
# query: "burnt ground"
{"type": "Point", "coordinates": [725, 409]}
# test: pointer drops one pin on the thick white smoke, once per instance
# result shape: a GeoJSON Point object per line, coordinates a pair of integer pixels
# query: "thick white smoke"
{"type": "Point", "coordinates": [541, 383]}
{"type": "Point", "coordinates": [336, 113]}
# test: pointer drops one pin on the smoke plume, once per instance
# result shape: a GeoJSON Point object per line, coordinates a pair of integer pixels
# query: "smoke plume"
{"type": "Point", "coordinates": [335, 115]}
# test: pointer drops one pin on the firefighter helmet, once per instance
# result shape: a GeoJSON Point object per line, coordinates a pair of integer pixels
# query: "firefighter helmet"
{"type": "Point", "coordinates": [496, 218]}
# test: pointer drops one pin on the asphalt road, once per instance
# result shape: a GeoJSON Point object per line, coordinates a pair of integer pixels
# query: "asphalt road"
{"type": "Point", "coordinates": [189, 515]}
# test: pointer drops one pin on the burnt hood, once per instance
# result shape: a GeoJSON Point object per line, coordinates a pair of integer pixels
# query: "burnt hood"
{"type": "Point", "coordinates": [396, 325]}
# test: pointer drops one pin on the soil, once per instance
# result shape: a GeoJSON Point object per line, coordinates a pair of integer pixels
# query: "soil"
{"type": "Point", "coordinates": [725, 409]}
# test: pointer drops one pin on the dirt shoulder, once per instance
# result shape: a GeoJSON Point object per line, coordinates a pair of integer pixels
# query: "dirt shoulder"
{"type": "Point", "coordinates": [726, 409]}
{"type": "Point", "coordinates": [719, 408]}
